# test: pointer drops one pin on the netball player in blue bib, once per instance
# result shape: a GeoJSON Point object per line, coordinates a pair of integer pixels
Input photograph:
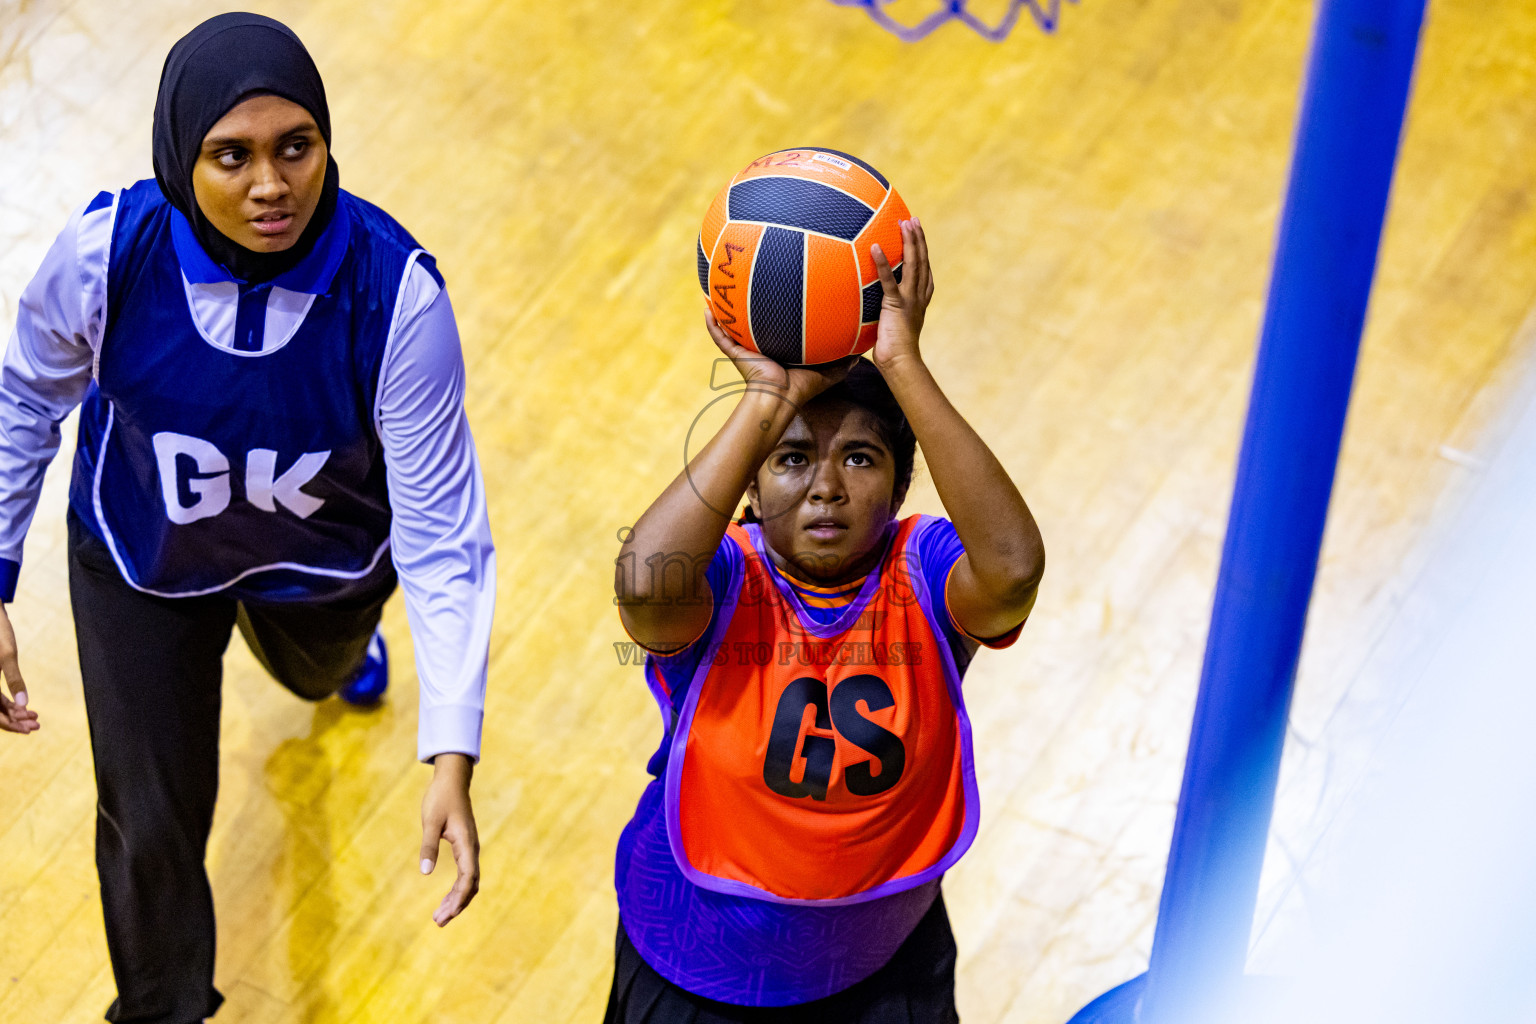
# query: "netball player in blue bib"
{"type": "Point", "coordinates": [272, 429]}
{"type": "Point", "coordinates": [816, 778]}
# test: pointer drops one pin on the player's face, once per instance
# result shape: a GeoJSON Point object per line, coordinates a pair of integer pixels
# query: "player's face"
{"type": "Point", "coordinates": [826, 494]}
{"type": "Point", "coordinates": [260, 172]}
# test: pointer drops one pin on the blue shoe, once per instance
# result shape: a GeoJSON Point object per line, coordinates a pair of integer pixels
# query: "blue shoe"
{"type": "Point", "coordinates": [372, 679]}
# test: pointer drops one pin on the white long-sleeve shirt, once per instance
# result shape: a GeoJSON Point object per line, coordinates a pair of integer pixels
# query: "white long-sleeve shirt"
{"type": "Point", "coordinates": [439, 535]}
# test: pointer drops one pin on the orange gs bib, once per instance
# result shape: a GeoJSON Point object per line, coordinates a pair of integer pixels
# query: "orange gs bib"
{"type": "Point", "coordinates": [822, 764]}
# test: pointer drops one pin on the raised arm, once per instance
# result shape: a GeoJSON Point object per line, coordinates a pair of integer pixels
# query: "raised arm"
{"type": "Point", "coordinates": [659, 584]}
{"type": "Point", "coordinates": [993, 586]}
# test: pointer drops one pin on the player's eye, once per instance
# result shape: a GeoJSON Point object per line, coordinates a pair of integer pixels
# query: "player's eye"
{"type": "Point", "coordinates": [860, 459]}
{"type": "Point", "coordinates": [295, 148]}
{"type": "Point", "coordinates": [792, 459]}
{"type": "Point", "coordinates": [231, 158]}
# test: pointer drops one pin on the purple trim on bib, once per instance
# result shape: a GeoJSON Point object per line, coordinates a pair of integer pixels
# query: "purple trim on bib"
{"type": "Point", "coordinates": [748, 952]}
{"type": "Point", "coordinates": [952, 679]}
{"type": "Point", "coordinates": [663, 703]}
{"type": "Point", "coordinates": [850, 614]}
{"type": "Point", "coordinates": [655, 677]}
{"type": "Point", "coordinates": [673, 778]}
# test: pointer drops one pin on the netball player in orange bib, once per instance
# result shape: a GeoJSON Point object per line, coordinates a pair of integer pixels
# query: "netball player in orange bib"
{"type": "Point", "coordinates": [816, 777]}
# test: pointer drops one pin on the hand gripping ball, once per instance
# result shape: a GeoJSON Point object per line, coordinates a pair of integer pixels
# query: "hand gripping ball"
{"type": "Point", "coordinates": [784, 254]}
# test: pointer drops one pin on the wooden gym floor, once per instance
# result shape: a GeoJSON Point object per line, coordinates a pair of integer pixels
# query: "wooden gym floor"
{"type": "Point", "coordinates": [1101, 206]}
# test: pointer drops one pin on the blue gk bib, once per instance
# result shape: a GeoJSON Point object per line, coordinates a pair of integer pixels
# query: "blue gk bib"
{"type": "Point", "coordinates": [256, 473]}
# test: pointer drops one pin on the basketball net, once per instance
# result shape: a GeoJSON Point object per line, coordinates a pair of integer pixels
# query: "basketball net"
{"type": "Point", "coordinates": [1047, 13]}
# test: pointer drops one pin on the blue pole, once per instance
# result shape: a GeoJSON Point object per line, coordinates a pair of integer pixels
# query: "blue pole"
{"type": "Point", "coordinates": [1347, 135]}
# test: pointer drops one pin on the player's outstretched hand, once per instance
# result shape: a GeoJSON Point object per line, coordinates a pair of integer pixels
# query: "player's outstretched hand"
{"type": "Point", "coordinates": [798, 384]}
{"type": "Point", "coordinates": [905, 303]}
{"type": "Point", "coordinates": [15, 716]}
{"type": "Point", "coordinates": [446, 814]}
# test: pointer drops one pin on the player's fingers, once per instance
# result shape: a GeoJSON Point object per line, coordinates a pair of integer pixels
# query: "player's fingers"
{"type": "Point", "coordinates": [911, 263]}
{"type": "Point", "coordinates": [466, 856]}
{"type": "Point", "coordinates": [888, 283]}
{"type": "Point", "coordinates": [836, 370]}
{"type": "Point", "coordinates": [843, 365]}
{"type": "Point", "coordinates": [431, 836]}
{"type": "Point", "coordinates": [12, 672]}
{"type": "Point", "coordinates": [15, 716]}
{"type": "Point", "coordinates": [920, 248]}
{"type": "Point", "coordinates": [915, 261]}
{"type": "Point", "coordinates": [16, 707]}
{"type": "Point", "coordinates": [723, 341]}
{"type": "Point", "coordinates": [712, 325]}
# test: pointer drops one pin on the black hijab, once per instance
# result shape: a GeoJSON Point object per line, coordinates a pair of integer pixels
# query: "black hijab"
{"type": "Point", "coordinates": [221, 62]}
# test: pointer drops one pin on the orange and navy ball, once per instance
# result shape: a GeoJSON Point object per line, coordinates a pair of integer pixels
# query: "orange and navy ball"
{"type": "Point", "coordinates": [784, 254]}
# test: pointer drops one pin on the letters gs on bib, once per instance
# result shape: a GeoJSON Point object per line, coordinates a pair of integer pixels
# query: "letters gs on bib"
{"type": "Point", "coordinates": [841, 717]}
{"type": "Point", "coordinates": [195, 479]}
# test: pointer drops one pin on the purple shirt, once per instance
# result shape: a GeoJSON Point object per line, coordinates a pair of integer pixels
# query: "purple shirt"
{"type": "Point", "coordinates": [747, 951]}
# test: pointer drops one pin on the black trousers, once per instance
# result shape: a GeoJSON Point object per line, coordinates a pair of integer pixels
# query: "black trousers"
{"type": "Point", "coordinates": [917, 986]}
{"type": "Point", "coordinates": [152, 669]}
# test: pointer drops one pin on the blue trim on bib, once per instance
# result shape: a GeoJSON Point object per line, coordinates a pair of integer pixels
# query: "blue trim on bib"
{"type": "Point", "coordinates": [261, 478]}
{"type": "Point", "coordinates": [312, 275]}
{"type": "Point", "coordinates": [10, 572]}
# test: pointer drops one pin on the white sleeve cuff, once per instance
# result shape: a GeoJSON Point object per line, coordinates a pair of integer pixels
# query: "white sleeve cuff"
{"type": "Point", "coordinates": [449, 729]}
